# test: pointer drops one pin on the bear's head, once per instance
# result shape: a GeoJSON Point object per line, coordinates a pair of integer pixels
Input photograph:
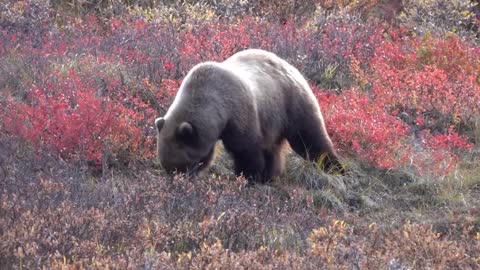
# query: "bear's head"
{"type": "Point", "coordinates": [181, 148]}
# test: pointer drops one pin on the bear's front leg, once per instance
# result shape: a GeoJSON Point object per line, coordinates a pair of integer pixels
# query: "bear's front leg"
{"type": "Point", "coordinates": [251, 164]}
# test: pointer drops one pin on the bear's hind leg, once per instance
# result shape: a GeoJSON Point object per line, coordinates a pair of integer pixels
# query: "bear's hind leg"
{"type": "Point", "coordinates": [274, 162]}
{"type": "Point", "coordinates": [311, 141]}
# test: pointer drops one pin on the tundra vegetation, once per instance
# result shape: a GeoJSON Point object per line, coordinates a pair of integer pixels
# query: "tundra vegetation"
{"type": "Point", "coordinates": [82, 81]}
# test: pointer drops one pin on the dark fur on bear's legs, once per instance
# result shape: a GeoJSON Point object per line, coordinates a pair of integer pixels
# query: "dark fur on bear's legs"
{"type": "Point", "coordinates": [256, 165]}
{"type": "Point", "coordinates": [250, 163]}
{"type": "Point", "coordinates": [312, 143]}
{"type": "Point", "coordinates": [247, 153]}
{"type": "Point", "coordinates": [311, 148]}
{"type": "Point", "coordinates": [274, 162]}
{"type": "Point", "coordinates": [268, 172]}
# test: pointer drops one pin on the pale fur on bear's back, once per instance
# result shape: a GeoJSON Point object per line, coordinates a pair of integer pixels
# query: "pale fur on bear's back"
{"type": "Point", "coordinates": [256, 66]}
{"type": "Point", "coordinates": [273, 82]}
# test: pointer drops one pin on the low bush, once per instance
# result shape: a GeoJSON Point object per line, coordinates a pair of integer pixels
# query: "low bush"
{"type": "Point", "coordinates": [77, 121]}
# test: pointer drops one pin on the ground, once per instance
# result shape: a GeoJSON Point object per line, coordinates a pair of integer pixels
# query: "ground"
{"type": "Point", "coordinates": [60, 214]}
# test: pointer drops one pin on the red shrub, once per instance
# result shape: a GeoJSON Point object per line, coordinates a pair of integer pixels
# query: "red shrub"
{"type": "Point", "coordinates": [433, 79]}
{"type": "Point", "coordinates": [362, 128]}
{"type": "Point", "coordinates": [217, 40]}
{"type": "Point", "coordinates": [430, 84]}
{"type": "Point", "coordinates": [434, 83]}
{"type": "Point", "coordinates": [71, 119]}
{"type": "Point", "coordinates": [168, 90]}
{"type": "Point", "coordinates": [443, 151]}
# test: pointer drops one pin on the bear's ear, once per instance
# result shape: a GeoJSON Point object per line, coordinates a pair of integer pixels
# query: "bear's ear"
{"type": "Point", "coordinates": [159, 122]}
{"type": "Point", "coordinates": [186, 132]}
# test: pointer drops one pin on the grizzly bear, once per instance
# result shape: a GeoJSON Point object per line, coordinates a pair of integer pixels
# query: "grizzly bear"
{"type": "Point", "coordinates": [253, 102]}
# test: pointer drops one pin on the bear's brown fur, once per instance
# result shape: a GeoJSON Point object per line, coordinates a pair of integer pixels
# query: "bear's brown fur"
{"type": "Point", "coordinates": [254, 102]}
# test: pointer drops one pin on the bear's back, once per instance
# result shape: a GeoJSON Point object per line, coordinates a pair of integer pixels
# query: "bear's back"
{"type": "Point", "coordinates": [267, 74]}
{"type": "Point", "coordinates": [279, 89]}
{"type": "Point", "coordinates": [265, 78]}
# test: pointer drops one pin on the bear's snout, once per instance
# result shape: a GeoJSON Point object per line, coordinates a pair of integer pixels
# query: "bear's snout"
{"type": "Point", "coordinates": [171, 167]}
{"type": "Point", "coordinates": [179, 167]}
{"type": "Point", "coordinates": [188, 168]}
